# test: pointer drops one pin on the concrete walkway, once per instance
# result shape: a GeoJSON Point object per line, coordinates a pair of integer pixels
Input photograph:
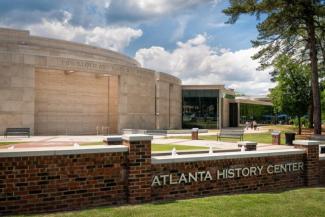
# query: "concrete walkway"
{"type": "Point", "coordinates": [48, 141]}
{"type": "Point", "coordinates": [214, 132]}
{"type": "Point", "coordinates": [57, 141]}
{"type": "Point", "coordinates": [215, 144]}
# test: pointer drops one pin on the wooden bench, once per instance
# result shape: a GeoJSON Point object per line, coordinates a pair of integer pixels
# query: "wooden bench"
{"type": "Point", "coordinates": [231, 133]}
{"type": "Point", "coordinates": [17, 131]}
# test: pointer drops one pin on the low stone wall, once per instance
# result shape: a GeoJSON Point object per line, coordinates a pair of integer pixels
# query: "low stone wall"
{"type": "Point", "coordinates": [67, 178]}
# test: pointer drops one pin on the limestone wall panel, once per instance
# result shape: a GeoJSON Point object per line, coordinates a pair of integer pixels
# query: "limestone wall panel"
{"type": "Point", "coordinates": [16, 96]}
{"type": "Point", "coordinates": [168, 102]}
{"type": "Point", "coordinates": [75, 103]}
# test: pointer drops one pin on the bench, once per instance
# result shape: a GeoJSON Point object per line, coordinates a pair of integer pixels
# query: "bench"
{"type": "Point", "coordinates": [17, 131]}
{"type": "Point", "coordinates": [231, 133]}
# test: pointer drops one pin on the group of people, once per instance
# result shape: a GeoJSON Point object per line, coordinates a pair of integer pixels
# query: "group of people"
{"type": "Point", "coordinates": [251, 124]}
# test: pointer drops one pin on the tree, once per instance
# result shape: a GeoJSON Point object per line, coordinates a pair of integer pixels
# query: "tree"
{"type": "Point", "coordinates": [291, 95]}
{"type": "Point", "coordinates": [291, 27]}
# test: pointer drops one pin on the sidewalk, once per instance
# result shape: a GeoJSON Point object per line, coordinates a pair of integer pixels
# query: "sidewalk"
{"type": "Point", "coordinates": [215, 144]}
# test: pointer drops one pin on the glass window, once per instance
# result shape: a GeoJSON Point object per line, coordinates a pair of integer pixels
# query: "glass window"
{"type": "Point", "coordinates": [262, 114]}
{"type": "Point", "coordinates": [200, 109]}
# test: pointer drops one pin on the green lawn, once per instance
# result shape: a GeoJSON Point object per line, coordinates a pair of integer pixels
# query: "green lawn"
{"type": "Point", "coordinates": [9, 143]}
{"type": "Point", "coordinates": [255, 137]}
{"type": "Point", "coordinates": [158, 147]}
{"type": "Point", "coordinates": [307, 202]}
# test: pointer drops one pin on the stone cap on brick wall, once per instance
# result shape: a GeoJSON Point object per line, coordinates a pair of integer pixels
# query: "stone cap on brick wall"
{"type": "Point", "coordinates": [137, 137]}
{"type": "Point", "coordinates": [244, 143]}
{"type": "Point", "coordinates": [322, 157]}
{"type": "Point", "coordinates": [51, 151]}
{"type": "Point", "coordinates": [221, 156]}
{"type": "Point", "coordinates": [305, 142]}
{"type": "Point", "coordinates": [114, 138]}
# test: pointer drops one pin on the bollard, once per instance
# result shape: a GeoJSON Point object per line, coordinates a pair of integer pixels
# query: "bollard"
{"type": "Point", "coordinates": [195, 133]}
{"type": "Point", "coordinates": [276, 138]}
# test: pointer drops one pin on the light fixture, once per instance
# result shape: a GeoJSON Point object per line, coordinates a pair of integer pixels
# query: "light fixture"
{"type": "Point", "coordinates": [68, 72]}
{"type": "Point", "coordinates": [99, 75]}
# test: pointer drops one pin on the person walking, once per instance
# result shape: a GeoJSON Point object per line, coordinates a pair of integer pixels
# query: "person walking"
{"type": "Point", "coordinates": [254, 125]}
{"type": "Point", "coordinates": [247, 125]}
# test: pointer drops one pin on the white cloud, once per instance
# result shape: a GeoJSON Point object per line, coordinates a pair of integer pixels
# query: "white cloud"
{"type": "Point", "coordinates": [162, 6]}
{"type": "Point", "coordinates": [146, 10]}
{"type": "Point", "coordinates": [195, 62]}
{"type": "Point", "coordinates": [114, 38]}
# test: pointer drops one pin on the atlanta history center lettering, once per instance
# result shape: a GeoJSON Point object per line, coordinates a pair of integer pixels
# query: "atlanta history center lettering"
{"type": "Point", "coordinates": [228, 173]}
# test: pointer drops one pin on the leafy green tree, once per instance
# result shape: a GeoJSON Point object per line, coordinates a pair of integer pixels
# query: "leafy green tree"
{"type": "Point", "coordinates": [291, 95]}
{"type": "Point", "coordinates": [291, 27]}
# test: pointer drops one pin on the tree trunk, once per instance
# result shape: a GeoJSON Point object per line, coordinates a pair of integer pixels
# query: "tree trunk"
{"type": "Point", "coordinates": [314, 76]}
{"type": "Point", "coordinates": [299, 125]}
{"type": "Point", "coordinates": [310, 112]}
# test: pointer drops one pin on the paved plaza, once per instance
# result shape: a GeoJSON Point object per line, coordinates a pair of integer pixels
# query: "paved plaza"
{"type": "Point", "coordinates": [59, 141]}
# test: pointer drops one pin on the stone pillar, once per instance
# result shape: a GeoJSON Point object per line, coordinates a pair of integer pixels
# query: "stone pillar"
{"type": "Point", "coordinates": [139, 167]}
{"type": "Point", "coordinates": [249, 146]}
{"type": "Point", "coordinates": [311, 164]}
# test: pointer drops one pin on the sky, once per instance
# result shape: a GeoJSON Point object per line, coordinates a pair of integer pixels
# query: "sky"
{"type": "Point", "coordinates": [185, 38]}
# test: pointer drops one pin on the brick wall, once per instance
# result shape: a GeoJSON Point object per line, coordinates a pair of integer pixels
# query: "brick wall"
{"type": "Point", "coordinates": [139, 171]}
{"type": "Point", "coordinates": [263, 182]}
{"type": "Point", "coordinates": [80, 178]}
{"type": "Point", "coordinates": [322, 172]}
{"type": "Point", "coordinates": [311, 162]}
{"type": "Point", "coordinates": [52, 183]}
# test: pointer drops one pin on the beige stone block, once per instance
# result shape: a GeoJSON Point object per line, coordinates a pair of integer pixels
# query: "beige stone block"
{"type": "Point", "coordinates": [29, 59]}
{"type": "Point", "coordinates": [40, 61]}
{"type": "Point", "coordinates": [29, 72]}
{"type": "Point", "coordinates": [14, 120]}
{"type": "Point", "coordinates": [17, 58]}
{"type": "Point", "coordinates": [15, 94]}
{"type": "Point", "coordinates": [28, 107]}
{"type": "Point", "coordinates": [17, 81]}
{"type": "Point", "coordinates": [28, 120]}
{"type": "Point", "coordinates": [5, 71]}
{"type": "Point", "coordinates": [28, 94]}
{"type": "Point", "coordinates": [4, 94]}
{"type": "Point", "coordinates": [5, 82]}
{"type": "Point", "coordinates": [11, 106]}
{"type": "Point", "coordinates": [5, 58]}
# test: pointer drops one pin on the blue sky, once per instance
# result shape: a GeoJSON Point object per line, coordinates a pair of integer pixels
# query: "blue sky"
{"type": "Point", "coordinates": [205, 18]}
{"type": "Point", "coordinates": [186, 38]}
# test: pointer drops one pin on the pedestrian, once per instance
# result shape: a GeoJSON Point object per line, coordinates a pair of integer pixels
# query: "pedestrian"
{"type": "Point", "coordinates": [247, 125]}
{"type": "Point", "coordinates": [254, 125]}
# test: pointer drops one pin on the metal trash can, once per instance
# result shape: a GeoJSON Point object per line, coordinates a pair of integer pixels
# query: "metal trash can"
{"type": "Point", "coordinates": [290, 136]}
{"type": "Point", "coordinates": [195, 133]}
{"type": "Point", "coordinates": [276, 138]}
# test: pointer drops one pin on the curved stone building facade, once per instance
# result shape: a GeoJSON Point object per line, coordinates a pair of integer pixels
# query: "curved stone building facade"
{"type": "Point", "coordinates": [60, 87]}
